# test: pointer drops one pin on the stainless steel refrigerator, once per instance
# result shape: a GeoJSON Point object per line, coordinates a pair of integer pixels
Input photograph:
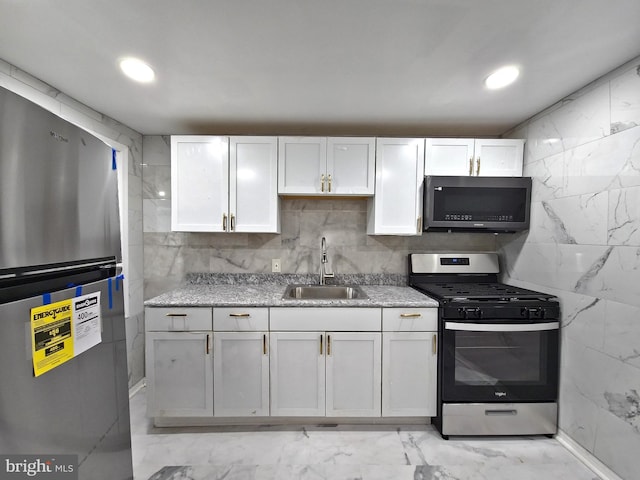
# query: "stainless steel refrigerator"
{"type": "Point", "coordinates": [59, 239]}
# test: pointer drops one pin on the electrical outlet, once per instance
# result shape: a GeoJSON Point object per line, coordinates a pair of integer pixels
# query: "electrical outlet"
{"type": "Point", "coordinates": [275, 265]}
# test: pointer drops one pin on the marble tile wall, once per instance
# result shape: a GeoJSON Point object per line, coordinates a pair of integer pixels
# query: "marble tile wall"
{"type": "Point", "coordinates": [20, 82]}
{"type": "Point", "coordinates": [584, 246]}
{"type": "Point", "coordinates": [169, 256]}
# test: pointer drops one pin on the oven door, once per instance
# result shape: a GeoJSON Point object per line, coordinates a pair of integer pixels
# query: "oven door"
{"type": "Point", "coordinates": [499, 362]}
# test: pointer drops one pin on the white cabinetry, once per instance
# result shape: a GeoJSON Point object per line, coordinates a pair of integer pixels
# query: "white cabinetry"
{"type": "Point", "coordinates": [297, 374]}
{"type": "Point", "coordinates": [474, 157]}
{"type": "Point", "coordinates": [241, 362]}
{"type": "Point", "coordinates": [353, 374]}
{"type": "Point", "coordinates": [396, 208]}
{"type": "Point", "coordinates": [224, 184]}
{"type": "Point", "coordinates": [179, 366]}
{"type": "Point", "coordinates": [326, 166]}
{"type": "Point", "coordinates": [318, 371]}
{"type": "Point", "coordinates": [409, 367]}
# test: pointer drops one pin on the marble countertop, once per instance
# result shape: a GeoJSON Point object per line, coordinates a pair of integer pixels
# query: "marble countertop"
{"type": "Point", "coordinates": [270, 295]}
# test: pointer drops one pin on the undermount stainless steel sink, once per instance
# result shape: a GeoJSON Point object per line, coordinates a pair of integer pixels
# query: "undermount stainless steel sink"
{"type": "Point", "coordinates": [324, 292]}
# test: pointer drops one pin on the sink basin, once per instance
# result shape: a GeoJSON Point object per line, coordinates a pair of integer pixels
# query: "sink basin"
{"type": "Point", "coordinates": [323, 292]}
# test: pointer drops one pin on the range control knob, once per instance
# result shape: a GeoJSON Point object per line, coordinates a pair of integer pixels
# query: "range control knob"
{"type": "Point", "coordinates": [473, 312]}
{"type": "Point", "coordinates": [532, 312]}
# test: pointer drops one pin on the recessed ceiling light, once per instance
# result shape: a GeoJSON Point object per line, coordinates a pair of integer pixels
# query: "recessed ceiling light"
{"type": "Point", "coordinates": [502, 77]}
{"type": "Point", "coordinates": [137, 70]}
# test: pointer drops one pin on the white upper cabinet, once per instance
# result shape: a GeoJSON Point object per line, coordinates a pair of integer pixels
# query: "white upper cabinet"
{"type": "Point", "coordinates": [253, 184]}
{"type": "Point", "coordinates": [222, 184]}
{"type": "Point", "coordinates": [326, 166]}
{"type": "Point", "coordinates": [396, 208]}
{"type": "Point", "coordinates": [499, 157]}
{"type": "Point", "coordinates": [199, 183]}
{"type": "Point", "coordinates": [474, 157]}
{"type": "Point", "coordinates": [351, 165]}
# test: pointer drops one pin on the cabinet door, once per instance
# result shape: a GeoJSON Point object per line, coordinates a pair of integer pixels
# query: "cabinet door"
{"type": "Point", "coordinates": [449, 156]}
{"type": "Point", "coordinates": [253, 184]}
{"type": "Point", "coordinates": [302, 163]}
{"type": "Point", "coordinates": [199, 183]}
{"type": "Point", "coordinates": [396, 208]}
{"type": "Point", "coordinates": [409, 372]}
{"type": "Point", "coordinates": [241, 374]}
{"type": "Point", "coordinates": [353, 374]}
{"type": "Point", "coordinates": [351, 166]}
{"type": "Point", "coordinates": [499, 157]}
{"type": "Point", "coordinates": [179, 374]}
{"type": "Point", "coordinates": [297, 373]}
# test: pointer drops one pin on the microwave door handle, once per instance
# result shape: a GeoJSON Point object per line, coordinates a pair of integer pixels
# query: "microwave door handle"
{"type": "Point", "coordinates": [502, 327]}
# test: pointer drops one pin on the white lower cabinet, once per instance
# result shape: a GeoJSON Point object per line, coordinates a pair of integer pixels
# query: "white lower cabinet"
{"type": "Point", "coordinates": [297, 374]}
{"type": "Point", "coordinates": [409, 362]}
{"type": "Point", "coordinates": [353, 379]}
{"type": "Point", "coordinates": [330, 374]}
{"type": "Point", "coordinates": [179, 374]}
{"type": "Point", "coordinates": [240, 374]}
{"type": "Point", "coordinates": [409, 374]}
{"type": "Point", "coordinates": [316, 362]}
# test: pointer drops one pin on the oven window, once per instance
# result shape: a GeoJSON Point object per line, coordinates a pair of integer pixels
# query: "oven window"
{"type": "Point", "coordinates": [489, 358]}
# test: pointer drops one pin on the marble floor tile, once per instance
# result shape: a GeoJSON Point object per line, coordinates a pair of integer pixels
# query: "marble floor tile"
{"type": "Point", "coordinates": [344, 452]}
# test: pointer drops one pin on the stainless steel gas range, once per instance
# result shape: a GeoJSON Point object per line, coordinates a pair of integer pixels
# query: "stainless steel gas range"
{"type": "Point", "coordinates": [498, 347]}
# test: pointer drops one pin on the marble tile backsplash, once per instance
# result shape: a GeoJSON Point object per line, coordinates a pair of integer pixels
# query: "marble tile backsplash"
{"type": "Point", "coordinates": [584, 247]}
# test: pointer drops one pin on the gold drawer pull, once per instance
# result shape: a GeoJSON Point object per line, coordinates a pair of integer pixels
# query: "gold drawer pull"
{"type": "Point", "coordinates": [176, 315]}
{"type": "Point", "coordinates": [410, 315]}
{"type": "Point", "coordinates": [240, 315]}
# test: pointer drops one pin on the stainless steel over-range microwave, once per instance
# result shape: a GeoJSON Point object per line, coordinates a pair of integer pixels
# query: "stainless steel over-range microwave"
{"type": "Point", "coordinates": [476, 204]}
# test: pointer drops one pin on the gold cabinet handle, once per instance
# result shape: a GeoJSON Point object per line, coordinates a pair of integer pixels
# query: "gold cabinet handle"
{"type": "Point", "coordinates": [176, 315]}
{"type": "Point", "coordinates": [320, 344]}
{"type": "Point", "coordinates": [419, 224]}
{"type": "Point", "coordinates": [329, 178]}
{"type": "Point", "coordinates": [478, 167]}
{"type": "Point", "coordinates": [471, 166]}
{"type": "Point", "coordinates": [434, 344]}
{"type": "Point", "coordinates": [329, 345]}
{"type": "Point", "coordinates": [233, 222]}
{"type": "Point", "coordinates": [410, 315]}
{"type": "Point", "coordinates": [322, 183]}
{"type": "Point", "coordinates": [264, 344]}
{"type": "Point", "coordinates": [224, 222]}
{"type": "Point", "coordinates": [207, 347]}
{"type": "Point", "coordinates": [239, 314]}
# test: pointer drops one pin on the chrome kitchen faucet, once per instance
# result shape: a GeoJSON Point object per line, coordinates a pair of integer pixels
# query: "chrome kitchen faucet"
{"type": "Point", "coordinates": [323, 263]}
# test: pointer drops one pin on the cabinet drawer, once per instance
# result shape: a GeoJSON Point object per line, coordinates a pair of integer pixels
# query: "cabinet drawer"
{"type": "Point", "coordinates": [333, 319]}
{"type": "Point", "coordinates": [179, 319]}
{"type": "Point", "coordinates": [234, 319]}
{"type": "Point", "coordinates": [409, 319]}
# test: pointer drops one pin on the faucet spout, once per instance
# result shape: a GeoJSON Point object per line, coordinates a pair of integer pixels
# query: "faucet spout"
{"type": "Point", "coordinates": [323, 263]}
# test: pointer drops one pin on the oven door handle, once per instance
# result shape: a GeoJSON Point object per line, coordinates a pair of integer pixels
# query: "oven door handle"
{"type": "Point", "coordinates": [502, 327]}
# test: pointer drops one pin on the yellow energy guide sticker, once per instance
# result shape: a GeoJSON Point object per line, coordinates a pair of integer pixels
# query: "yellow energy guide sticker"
{"type": "Point", "coordinates": [51, 336]}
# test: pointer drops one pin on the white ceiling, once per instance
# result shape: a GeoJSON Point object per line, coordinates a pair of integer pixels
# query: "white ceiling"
{"type": "Point", "coordinates": [377, 67]}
